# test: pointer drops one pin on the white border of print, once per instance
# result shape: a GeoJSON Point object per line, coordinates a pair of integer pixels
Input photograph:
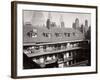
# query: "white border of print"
{"type": "Point", "coordinates": [31, 72]}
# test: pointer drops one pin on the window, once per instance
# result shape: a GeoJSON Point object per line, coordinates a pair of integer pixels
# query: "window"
{"type": "Point", "coordinates": [32, 33]}
{"type": "Point", "coordinates": [73, 33]}
{"type": "Point", "coordinates": [70, 54]}
{"type": "Point", "coordinates": [47, 35]}
{"type": "Point", "coordinates": [58, 34]}
{"type": "Point", "coordinates": [67, 34]}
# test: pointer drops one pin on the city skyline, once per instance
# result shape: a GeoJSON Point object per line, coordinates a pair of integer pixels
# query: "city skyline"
{"type": "Point", "coordinates": [40, 18]}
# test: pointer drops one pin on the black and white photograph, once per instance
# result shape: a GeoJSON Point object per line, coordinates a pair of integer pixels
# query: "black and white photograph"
{"type": "Point", "coordinates": [53, 39]}
{"type": "Point", "coordinates": [56, 39]}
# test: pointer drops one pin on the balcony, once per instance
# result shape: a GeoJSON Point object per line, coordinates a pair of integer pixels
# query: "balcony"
{"type": "Point", "coordinates": [51, 52]}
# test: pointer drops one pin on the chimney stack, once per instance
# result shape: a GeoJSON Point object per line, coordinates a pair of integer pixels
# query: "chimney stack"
{"type": "Point", "coordinates": [48, 20]}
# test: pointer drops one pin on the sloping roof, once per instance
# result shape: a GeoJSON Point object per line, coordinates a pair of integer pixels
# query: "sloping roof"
{"type": "Point", "coordinates": [40, 38]}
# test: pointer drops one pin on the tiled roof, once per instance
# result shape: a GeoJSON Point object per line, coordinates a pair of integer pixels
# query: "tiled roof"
{"type": "Point", "coordinates": [40, 38]}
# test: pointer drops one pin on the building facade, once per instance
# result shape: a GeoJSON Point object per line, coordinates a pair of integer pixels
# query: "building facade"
{"type": "Point", "coordinates": [51, 46]}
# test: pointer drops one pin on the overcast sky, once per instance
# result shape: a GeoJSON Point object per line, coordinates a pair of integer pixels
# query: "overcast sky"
{"type": "Point", "coordinates": [40, 17]}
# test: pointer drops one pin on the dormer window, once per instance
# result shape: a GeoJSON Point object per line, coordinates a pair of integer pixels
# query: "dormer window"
{"type": "Point", "coordinates": [58, 34]}
{"type": "Point", "coordinates": [73, 33]}
{"type": "Point", "coordinates": [32, 33]}
{"type": "Point", "coordinates": [67, 34]}
{"type": "Point", "coordinates": [47, 35]}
